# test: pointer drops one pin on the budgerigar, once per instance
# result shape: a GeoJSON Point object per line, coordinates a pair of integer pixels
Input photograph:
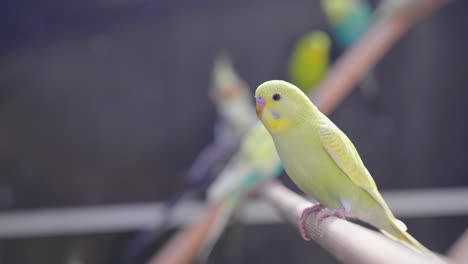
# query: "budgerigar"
{"type": "Point", "coordinates": [255, 162]}
{"type": "Point", "coordinates": [349, 20]}
{"type": "Point", "coordinates": [235, 114]}
{"type": "Point", "coordinates": [323, 162]}
{"type": "Point", "coordinates": [309, 60]}
{"type": "Point", "coordinates": [232, 98]}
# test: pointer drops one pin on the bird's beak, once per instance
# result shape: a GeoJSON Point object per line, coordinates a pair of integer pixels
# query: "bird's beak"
{"type": "Point", "coordinates": [259, 105]}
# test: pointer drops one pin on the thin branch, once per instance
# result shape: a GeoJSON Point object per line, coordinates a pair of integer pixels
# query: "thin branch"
{"type": "Point", "coordinates": [346, 241]}
{"type": "Point", "coordinates": [183, 247]}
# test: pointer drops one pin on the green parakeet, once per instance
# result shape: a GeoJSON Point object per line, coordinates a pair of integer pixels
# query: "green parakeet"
{"type": "Point", "coordinates": [323, 162]}
{"type": "Point", "coordinates": [232, 98]}
{"type": "Point", "coordinates": [255, 162]}
{"type": "Point", "coordinates": [233, 101]}
{"type": "Point", "coordinates": [309, 60]}
{"type": "Point", "coordinates": [350, 19]}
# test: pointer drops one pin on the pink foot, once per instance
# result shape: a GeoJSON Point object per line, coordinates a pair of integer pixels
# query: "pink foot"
{"type": "Point", "coordinates": [340, 213]}
{"type": "Point", "coordinates": [305, 215]}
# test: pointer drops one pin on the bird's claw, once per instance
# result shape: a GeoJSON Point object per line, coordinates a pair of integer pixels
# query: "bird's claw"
{"type": "Point", "coordinates": [340, 213]}
{"type": "Point", "coordinates": [305, 214]}
{"type": "Point", "coordinates": [322, 213]}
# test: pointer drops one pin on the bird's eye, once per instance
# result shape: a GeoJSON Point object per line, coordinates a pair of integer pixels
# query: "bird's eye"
{"type": "Point", "coordinates": [276, 97]}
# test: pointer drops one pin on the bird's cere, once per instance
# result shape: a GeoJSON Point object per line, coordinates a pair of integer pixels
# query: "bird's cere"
{"type": "Point", "coordinates": [259, 105]}
{"type": "Point", "coordinates": [259, 101]}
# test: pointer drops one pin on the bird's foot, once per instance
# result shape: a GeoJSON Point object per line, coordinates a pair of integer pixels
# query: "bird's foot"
{"type": "Point", "coordinates": [340, 213]}
{"type": "Point", "coordinates": [322, 213]}
{"type": "Point", "coordinates": [305, 214]}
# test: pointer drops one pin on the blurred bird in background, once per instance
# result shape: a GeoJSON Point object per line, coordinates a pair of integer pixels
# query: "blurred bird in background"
{"type": "Point", "coordinates": [309, 60]}
{"type": "Point", "coordinates": [255, 162]}
{"type": "Point", "coordinates": [233, 101]}
{"type": "Point", "coordinates": [235, 114]}
{"type": "Point", "coordinates": [349, 20]}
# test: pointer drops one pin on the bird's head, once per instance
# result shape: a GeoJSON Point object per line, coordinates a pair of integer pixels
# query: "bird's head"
{"type": "Point", "coordinates": [317, 42]}
{"type": "Point", "coordinates": [337, 10]}
{"type": "Point", "coordinates": [281, 105]}
{"type": "Point", "coordinates": [227, 86]}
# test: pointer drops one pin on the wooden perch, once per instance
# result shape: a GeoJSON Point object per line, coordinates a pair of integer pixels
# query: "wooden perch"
{"type": "Point", "coordinates": [346, 241]}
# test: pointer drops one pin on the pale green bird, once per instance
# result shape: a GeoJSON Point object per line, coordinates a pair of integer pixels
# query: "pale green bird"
{"type": "Point", "coordinates": [349, 19]}
{"type": "Point", "coordinates": [323, 162]}
{"type": "Point", "coordinates": [310, 60]}
{"type": "Point", "coordinates": [255, 162]}
{"type": "Point", "coordinates": [233, 100]}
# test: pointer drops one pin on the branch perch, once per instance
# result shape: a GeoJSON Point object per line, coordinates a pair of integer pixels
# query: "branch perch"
{"type": "Point", "coordinates": [346, 241]}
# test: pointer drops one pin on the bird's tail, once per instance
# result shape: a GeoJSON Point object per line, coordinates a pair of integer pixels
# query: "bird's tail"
{"type": "Point", "coordinates": [397, 231]}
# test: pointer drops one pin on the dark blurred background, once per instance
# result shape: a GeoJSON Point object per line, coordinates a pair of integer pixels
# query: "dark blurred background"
{"type": "Point", "coordinates": [106, 102]}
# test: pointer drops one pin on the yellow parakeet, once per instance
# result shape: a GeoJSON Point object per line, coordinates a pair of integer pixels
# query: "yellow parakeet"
{"type": "Point", "coordinates": [350, 19]}
{"type": "Point", "coordinates": [232, 98]}
{"type": "Point", "coordinates": [323, 162]}
{"type": "Point", "coordinates": [310, 60]}
{"type": "Point", "coordinates": [255, 162]}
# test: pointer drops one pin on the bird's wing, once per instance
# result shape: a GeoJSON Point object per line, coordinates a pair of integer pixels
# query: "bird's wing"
{"type": "Point", "coordinates": [343, 152]}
